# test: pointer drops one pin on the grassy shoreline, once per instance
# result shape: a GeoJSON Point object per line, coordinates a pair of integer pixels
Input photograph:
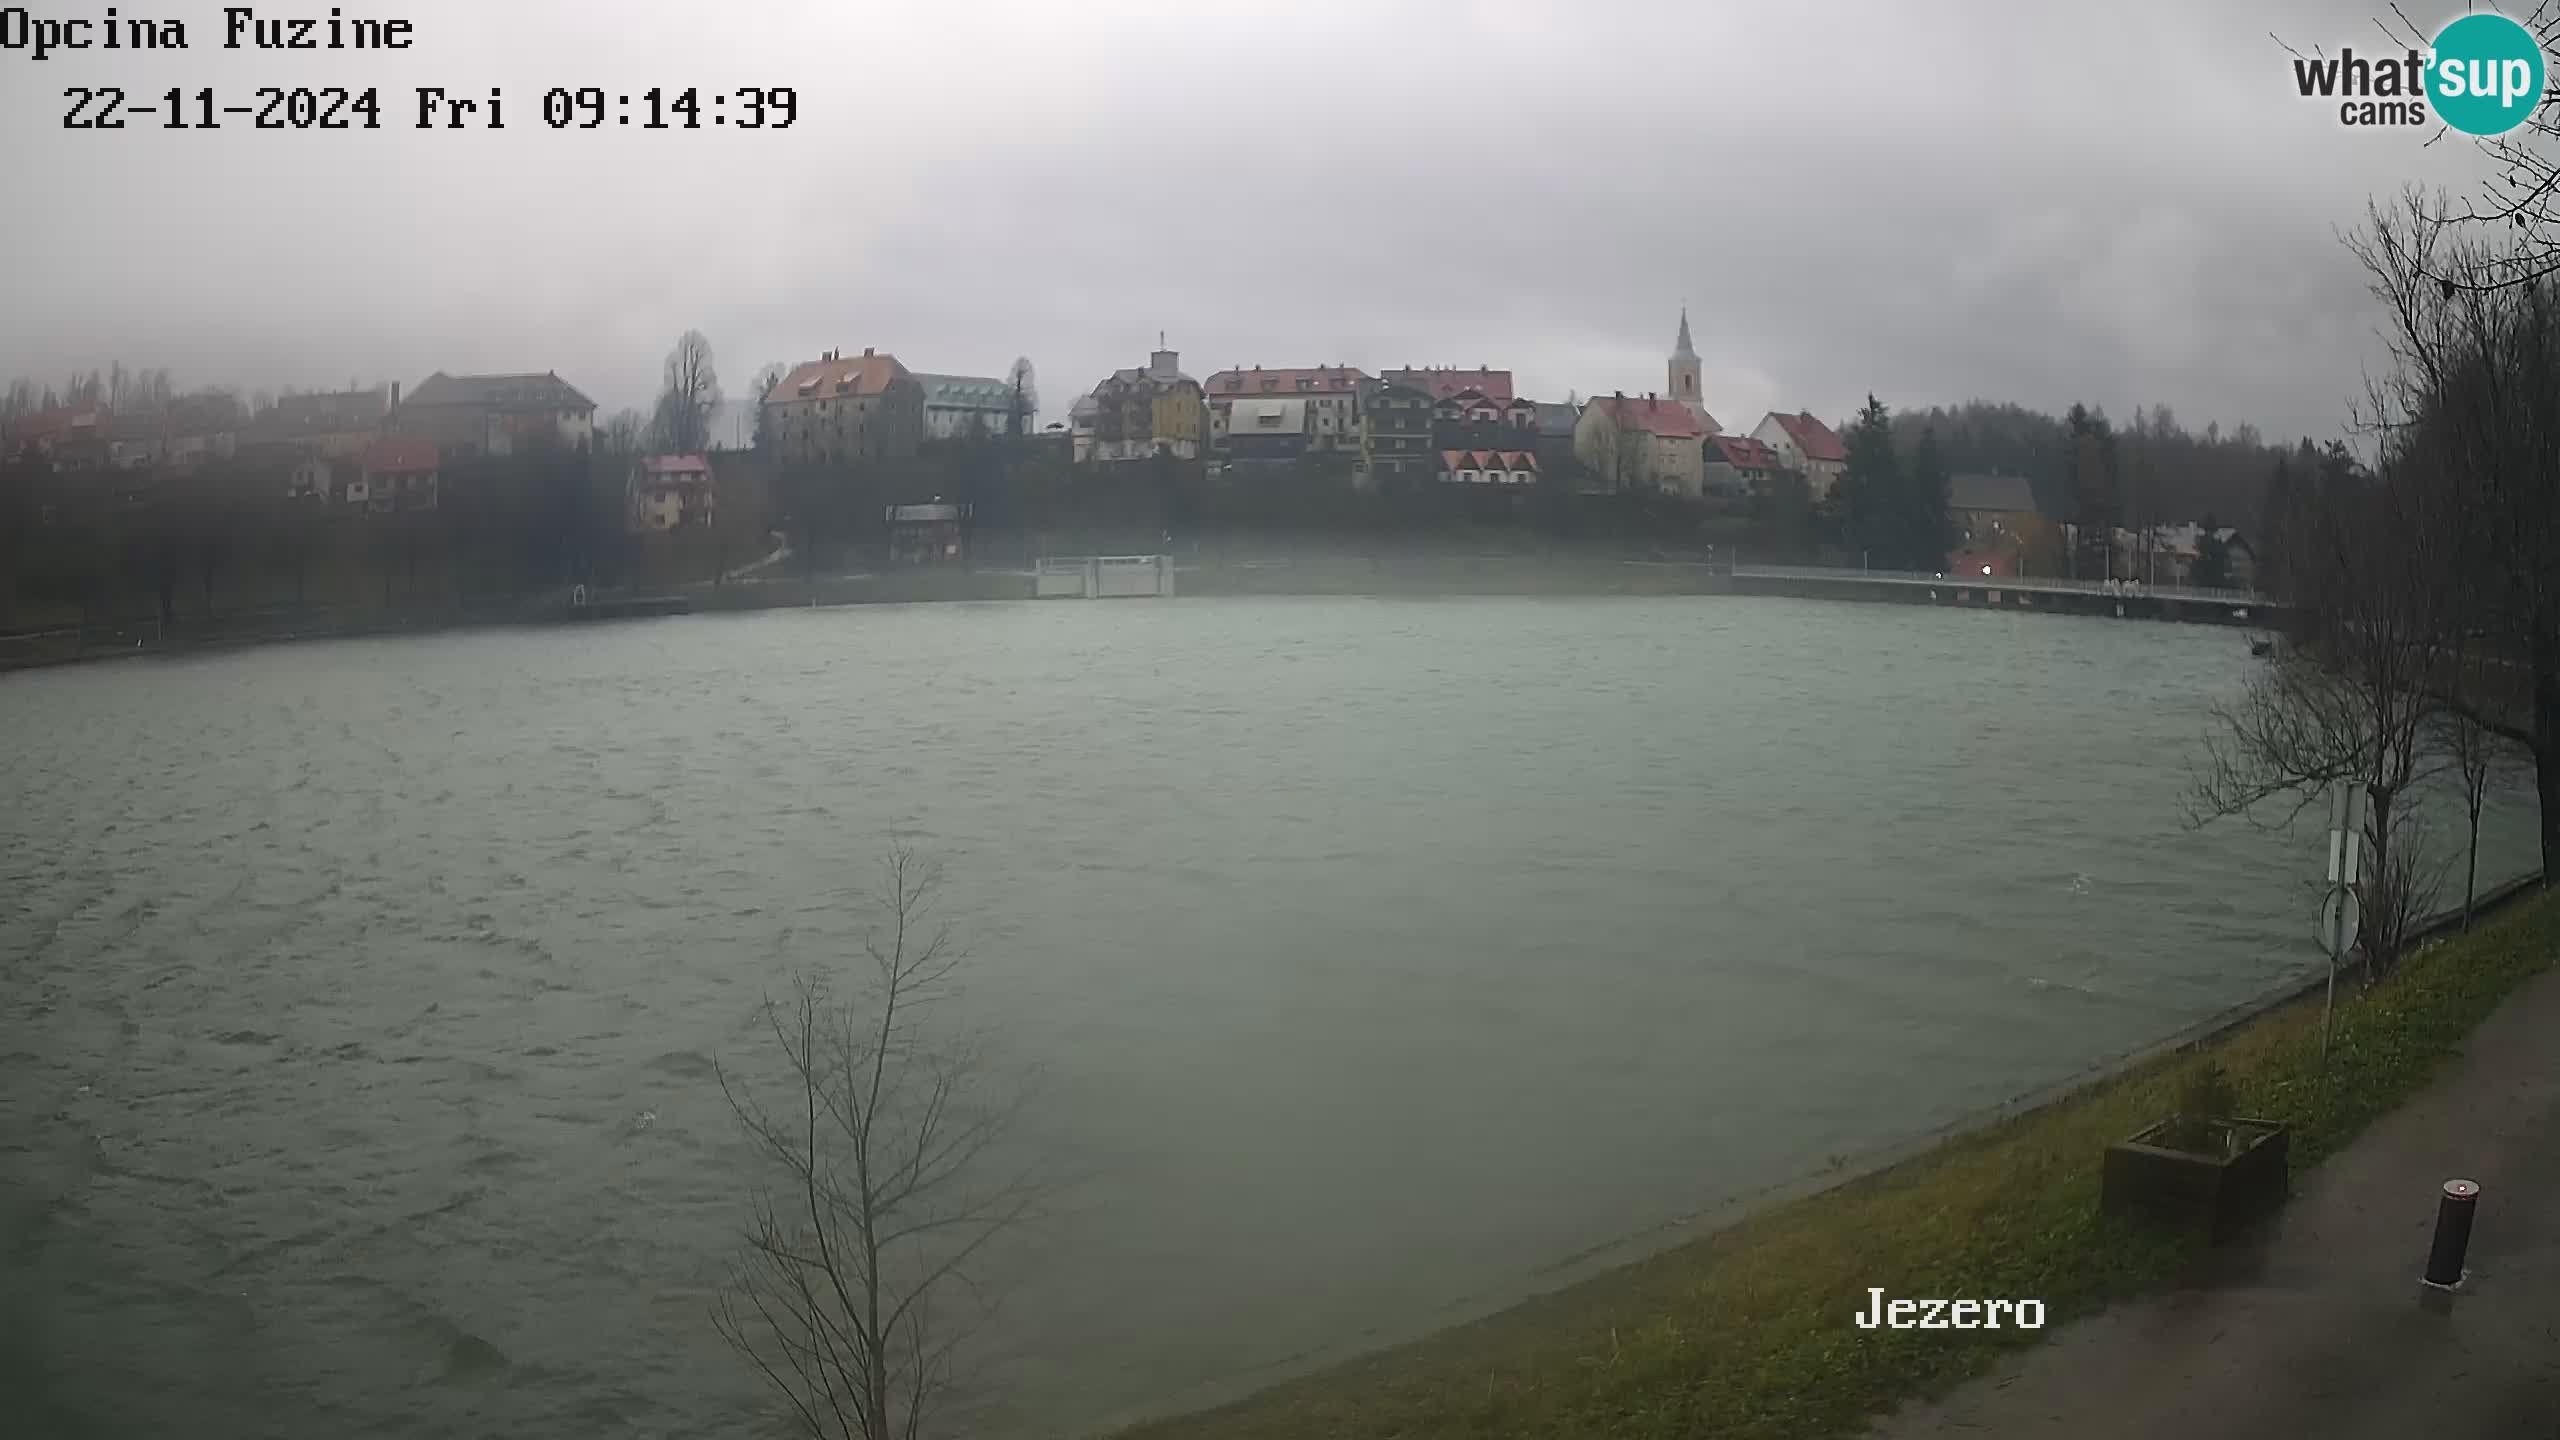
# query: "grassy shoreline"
{"type": "Point", "coordinates": [1747, 1332]}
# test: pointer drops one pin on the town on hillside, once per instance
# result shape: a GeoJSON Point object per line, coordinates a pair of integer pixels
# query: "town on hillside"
{"type": "Point", "coordinates": [127, 494]}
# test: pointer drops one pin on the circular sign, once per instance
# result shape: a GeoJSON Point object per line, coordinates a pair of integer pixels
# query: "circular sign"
{"type": "Point", "coordinates": [2484, 74]}
{"type": "Point", "coordinates": [2340, 919]}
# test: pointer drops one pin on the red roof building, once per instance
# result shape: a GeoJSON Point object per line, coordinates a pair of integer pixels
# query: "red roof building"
{"type": "Point", "coordinates": [1654, 415]}
{"type": "Point", "coordinates": [1331, 393]}
{"type": "Point", "coordinates": [1443, 384]}
{"type": "Point", "coordinates": [1813, 437]}
{"type": "Point", "coordinates": [400, 455]}
{"type": "Point", "coordinates": [399, 474]}
{"type": "Point", "coordinates": [1489, 467]}
{"type": "Point", "coordinates": [1737, 465]}
{"type": "Point", "coordinates": [61, 429]}
{"type": "Point", "coordinates": [1319, 380]}
{"type": "Point", "coordinates": [1742, 453]}
{"type": "Point", "coordinates": [842, 407]}
{"type": "Point", "coordinates": [666, 492]}
{"type": "Point", "coordinates": [1806, 444]}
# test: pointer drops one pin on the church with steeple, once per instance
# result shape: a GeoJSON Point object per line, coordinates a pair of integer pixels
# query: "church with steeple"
{"type": "Point", "coordinates": [1685, 391]}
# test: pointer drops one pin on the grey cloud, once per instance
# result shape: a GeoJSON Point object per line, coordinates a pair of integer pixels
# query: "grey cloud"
{"type": "Point", "coordinates": [2121, 204]}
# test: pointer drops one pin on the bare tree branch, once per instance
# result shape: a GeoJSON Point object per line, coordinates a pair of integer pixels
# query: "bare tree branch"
{"type": "Point", "coordinates": [861, 1264]}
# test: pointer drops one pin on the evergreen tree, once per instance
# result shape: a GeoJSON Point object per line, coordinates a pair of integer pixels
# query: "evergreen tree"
{"type": "Point", "coordinates": [2276, 507]}
{"type": "Point", "coordinates": [1926, 532]}
{"type": "Point", "coordinates": [1869, 490]}
{"type": "Point", "coordinates": [2094, 500]}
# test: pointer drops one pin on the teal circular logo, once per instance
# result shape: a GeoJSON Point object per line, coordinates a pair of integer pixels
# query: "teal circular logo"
{"type": "Point", "coordinates": [2484, 76]}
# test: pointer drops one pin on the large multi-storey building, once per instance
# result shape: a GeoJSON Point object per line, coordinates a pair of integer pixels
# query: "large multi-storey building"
{"type": "Point", "coordinates": [960, 407]}
{"type": "Point", "coordinates": [842, 409]}
{"type": "Point", "coordinates": [498, 414]}
{"type": "Point", "coordinates": [1395, 445]}
{"type": "Point", "coordinates": [1331, 393]}
{"type": "Point", "coordinates": [331, 424]}
{"type": "Point", "coordinates": [1139, 413]}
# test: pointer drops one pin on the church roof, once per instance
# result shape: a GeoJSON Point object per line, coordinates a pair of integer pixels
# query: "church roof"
{"type": "Point", "coordinates": [1684, 350]}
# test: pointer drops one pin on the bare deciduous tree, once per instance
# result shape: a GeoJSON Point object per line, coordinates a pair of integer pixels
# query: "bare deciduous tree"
{"type": "Point", "coordinates": [624, 432]}
{"type": "Point", "coordinates": [860, 1277]}
{"type": "Point", "coordinates": [2349, 698]}
{"type": "Point", "coordinates": [1022, 401]}
{"type": "Point", "coordinates": [2475, 389]}
{"type": "Point", "coordinates": [2517, 210]}
{"type": "Point", "coordinates": [689, 399]}
{"type": "Point", "coordinates": [2476, 758]}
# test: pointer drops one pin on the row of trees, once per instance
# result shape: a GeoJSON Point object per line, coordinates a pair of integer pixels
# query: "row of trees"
{"type": "Point", "coordinates": [2424, 629]}
{"type": "Point", "coordinates": [138, 391]}
{"type": "Point", "coordinates": [117, 388]}
{"type": "Point", "coordinates": [2096, 476]}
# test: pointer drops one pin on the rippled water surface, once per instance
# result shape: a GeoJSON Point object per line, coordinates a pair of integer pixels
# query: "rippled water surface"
{"type": "Point", "coordinates": [1375, 960]}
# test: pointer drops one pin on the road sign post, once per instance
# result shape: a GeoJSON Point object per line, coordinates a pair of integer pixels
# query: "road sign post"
{"type": "Point", "coordinates": [2341, 916]}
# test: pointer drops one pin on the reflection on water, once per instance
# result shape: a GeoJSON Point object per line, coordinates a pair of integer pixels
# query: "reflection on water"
{"type": "Point", "coordinates": [1377, 958]}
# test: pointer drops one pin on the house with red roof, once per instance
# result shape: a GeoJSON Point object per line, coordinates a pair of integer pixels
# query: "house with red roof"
{"type": "Point", "coordinates": [1649, 442]}
{"type": "Point", "coordinates": [399, 473]}
{"type": "Point", "coordinates": [667, 491]}
{"type": "Point", "coordinates": [1441, 384]}
{"type": "Point", "coordinates": [1805, 444]}
{"type": "Point", "coordinates": [1738, 466]}
{"type": "Point", "coordinates": [1489, 467]}
{"type": "Point", "coordinates": [839, 408]}
{"type": "Point", "coordinates": [1331, 394]}
{"type": "Point", "coordinates": [66, 435]}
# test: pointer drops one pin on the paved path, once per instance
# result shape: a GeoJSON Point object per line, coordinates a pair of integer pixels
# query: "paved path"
{"type": "Point", "coordinates": [2320, 1330]}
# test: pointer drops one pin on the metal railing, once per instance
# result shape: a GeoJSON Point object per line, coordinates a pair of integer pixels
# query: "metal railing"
{"type": "Point", "coordinates": [2046, 584]}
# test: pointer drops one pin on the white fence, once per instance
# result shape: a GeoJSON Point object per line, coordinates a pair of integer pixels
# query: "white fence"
{"type": "Point", "coordinates": [1103, 576]}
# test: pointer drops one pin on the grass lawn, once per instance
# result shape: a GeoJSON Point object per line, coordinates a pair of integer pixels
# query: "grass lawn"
{"type": "Point", "coordinates": [1747, 1333]}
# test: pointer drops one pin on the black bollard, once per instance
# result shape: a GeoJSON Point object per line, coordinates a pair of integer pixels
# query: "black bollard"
{"type": "Point", "coordinates": [2453, 1233]}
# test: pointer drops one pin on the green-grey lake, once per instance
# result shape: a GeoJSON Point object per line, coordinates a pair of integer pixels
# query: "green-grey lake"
{"type": "Point", "coordinates": [1373, 963]}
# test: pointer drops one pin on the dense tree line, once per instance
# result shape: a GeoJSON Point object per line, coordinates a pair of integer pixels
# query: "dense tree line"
{"type": "Point", "coordinates": [2085, 469]}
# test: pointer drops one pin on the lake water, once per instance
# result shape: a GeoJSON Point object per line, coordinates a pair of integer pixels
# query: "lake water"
{"type": "Point", "coordinates": [1378, 962]}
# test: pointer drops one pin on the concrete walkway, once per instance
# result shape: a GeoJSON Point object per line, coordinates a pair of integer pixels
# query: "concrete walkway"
{"type": "Point", "coordinates": [2320, 1329]}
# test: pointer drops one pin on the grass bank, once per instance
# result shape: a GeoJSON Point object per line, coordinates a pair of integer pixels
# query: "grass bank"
{"type": "Point", "coordinates": [1747, 1333]}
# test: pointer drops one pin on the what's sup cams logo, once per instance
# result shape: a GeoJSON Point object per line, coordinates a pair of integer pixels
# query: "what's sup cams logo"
{"type": "Point", "coordinates": [2482, 76]}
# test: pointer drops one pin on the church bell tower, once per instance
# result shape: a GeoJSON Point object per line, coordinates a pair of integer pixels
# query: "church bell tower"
{"type": "Point", "coordinates": [1684, 371]}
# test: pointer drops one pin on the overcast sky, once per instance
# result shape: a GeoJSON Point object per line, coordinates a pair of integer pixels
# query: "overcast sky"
{"type": "Point", "coordinates": [1929, 199]}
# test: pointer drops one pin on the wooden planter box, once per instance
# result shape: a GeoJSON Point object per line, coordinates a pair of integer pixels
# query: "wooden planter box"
{"type": "Point", "coordinates": [2242, 1178]}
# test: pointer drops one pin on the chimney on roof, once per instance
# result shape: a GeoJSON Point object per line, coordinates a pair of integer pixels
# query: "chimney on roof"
{"type": "Point", "coordinates": [395, 395]}
{"type": "Point", "coordinates": [866, 352]}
